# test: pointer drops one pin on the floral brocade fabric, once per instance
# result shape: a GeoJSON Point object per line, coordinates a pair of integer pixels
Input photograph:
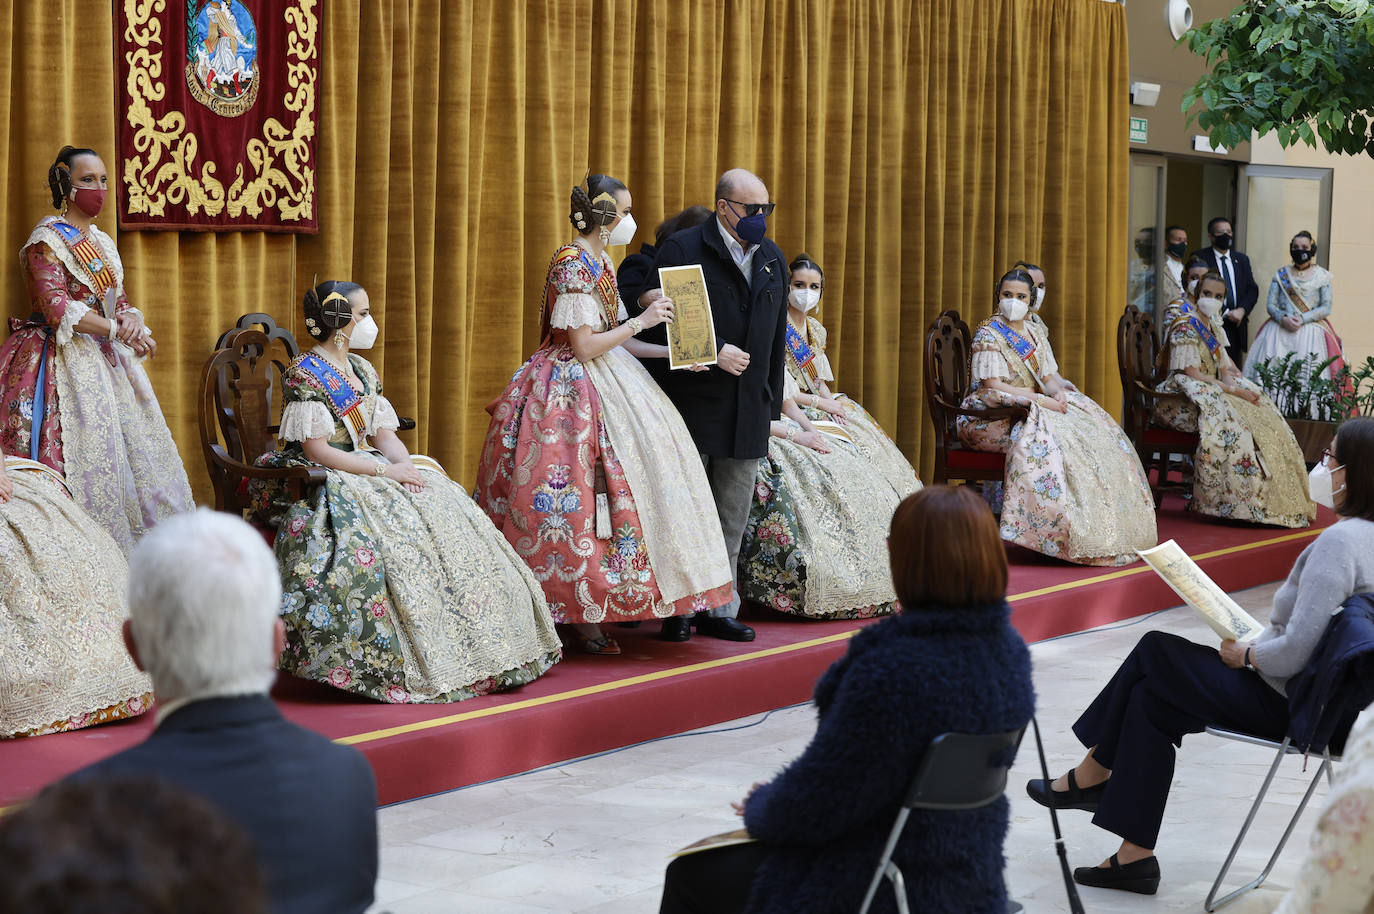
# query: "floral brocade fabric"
{"type": "Point", "coordinates": [1247, 466]}
{"type": "Point", "coordinates": [564, 431]}
{"type": "Point", "coordinates": [62, 581]}
{"type": "Point", "coordinates": [401, 596]}
{"type": "Point", "coordinates": [1074, 488]}
{"type": "Point", "coordinates": [100, 424]}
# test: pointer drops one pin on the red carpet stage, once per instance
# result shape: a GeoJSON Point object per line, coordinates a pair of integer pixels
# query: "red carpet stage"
{"type": "Point", "coordinates": [589, 704]}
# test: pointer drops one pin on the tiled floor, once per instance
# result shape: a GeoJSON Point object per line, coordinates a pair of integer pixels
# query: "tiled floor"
{"type": "Point", "coordinates": [593, 836]}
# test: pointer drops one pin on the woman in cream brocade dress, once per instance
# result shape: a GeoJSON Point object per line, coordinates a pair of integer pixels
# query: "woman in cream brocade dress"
{"type": "Point", "coordinates": [1248, 465]}
{"type": "Point", "coordinates": [395, 585]}
{"type": "Point", "coordinates": [820, 517]}
{"type": "Point", "coordinates": [1074, 486]}
{"type": "Point", "coordinates": [62, 579]}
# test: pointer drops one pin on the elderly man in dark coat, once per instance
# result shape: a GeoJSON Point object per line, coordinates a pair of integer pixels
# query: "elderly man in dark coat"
{"type": "Point", "coordinates": [728, 409]}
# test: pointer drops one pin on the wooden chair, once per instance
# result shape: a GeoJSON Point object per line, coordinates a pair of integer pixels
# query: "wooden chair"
{"type": "Point", "coordinates": [282, 337]}
{"type": "Point", "coordinates": [948, 352]}
{"type": "Point", "coordinates": [239, 416]}
{"type": "Point", "coordinates": [1140, 361]}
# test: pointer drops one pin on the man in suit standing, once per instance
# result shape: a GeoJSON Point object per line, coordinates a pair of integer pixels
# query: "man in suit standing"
{"type": "Point", "coordinates": [729, 408]}
{"type": "Point", "coordinates": [1241, 290]}
{"type": "Point", "coordinates": [204, 597]}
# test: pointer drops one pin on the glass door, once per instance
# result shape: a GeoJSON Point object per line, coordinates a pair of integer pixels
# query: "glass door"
{"type": "Point", "coordinates": [1277, 202]}
{"type": "Point", "coordinates": [1146, 242]}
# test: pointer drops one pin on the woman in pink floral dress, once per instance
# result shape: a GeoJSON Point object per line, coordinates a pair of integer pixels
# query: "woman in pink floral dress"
{"type": "Point", "coordinates": [587, 468]}
{"type": "Point", "coordinates": [73, 394]}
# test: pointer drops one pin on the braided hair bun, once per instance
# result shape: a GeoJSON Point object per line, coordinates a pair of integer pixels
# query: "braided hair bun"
{"type": "Point", "coordinates": [327, 307]}
{"type": "Point", "coordinates": [593, 205]}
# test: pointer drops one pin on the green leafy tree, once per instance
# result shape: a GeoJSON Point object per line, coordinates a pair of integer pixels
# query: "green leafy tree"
{"type": "Point", "coordinates": [1303, 69]}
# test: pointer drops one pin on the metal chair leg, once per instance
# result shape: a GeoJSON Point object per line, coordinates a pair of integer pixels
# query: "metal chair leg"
{"type": "Point", "coordinates": [886, 866]}
{"type": "Point", "coordinates": [898, 887]}
{"type": "Point", "coordinates": [1210, 904]}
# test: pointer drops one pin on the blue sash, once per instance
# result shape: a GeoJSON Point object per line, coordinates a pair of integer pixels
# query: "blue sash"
{"type": "Point", "coordinates": [1023, 347]}
{"type": "Point", "coordinates": [1195, 321]}
{"type": "Point", "coordinates": [802, 355]}
{"type": "Point", "coordinates": [342, 397]}
{"type": "Point", "coordinates": [1294, 295]}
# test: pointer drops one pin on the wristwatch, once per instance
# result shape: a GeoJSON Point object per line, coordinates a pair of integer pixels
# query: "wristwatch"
{"type": "Point", "coordinates": [1248, 664]}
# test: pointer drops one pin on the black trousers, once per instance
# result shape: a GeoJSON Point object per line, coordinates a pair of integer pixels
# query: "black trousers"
{"type": "Point", "coordinates": [711, 882]}
{"type": "Point", "coordinates": [1167, 687]}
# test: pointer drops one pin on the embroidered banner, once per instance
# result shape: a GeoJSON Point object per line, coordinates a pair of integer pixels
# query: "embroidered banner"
{"type": "Point", "coordinates": [220, 100]}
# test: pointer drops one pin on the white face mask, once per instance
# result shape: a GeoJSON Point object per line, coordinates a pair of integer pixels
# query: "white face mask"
{"type": "Point", "coordinates": [1192, 286]}
{"type": "Point", "coordinates": [1209, 306]}
{"type": "Point", "coordinates": [1039, 301]}
{"type": "Point", "coordinates": [624, 231]}
{"type": "Point", "coordinates": [806, 299]}
{"type": "Point", "coordinates": [364, 334]}
{"type": "Point", "coordinates": [1013, 309]}
{"type": "Point", "coordinates": [1319, 485]}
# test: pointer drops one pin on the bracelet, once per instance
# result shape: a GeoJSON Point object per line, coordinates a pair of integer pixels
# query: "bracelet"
{"type": "Point", "coordinates": [791, 433]}
{"type": "Point", "coordinates": [636, 326]}
{"type": "Point", "coordinates": [381, 469]}
{"type": "Point", "coordinates": [114, 326]}
{"type": "Point", "coordinates": [1248, 664]}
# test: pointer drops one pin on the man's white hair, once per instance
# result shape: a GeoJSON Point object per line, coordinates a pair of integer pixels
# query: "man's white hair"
{"type": "Point", "coordinates": [204, 592]}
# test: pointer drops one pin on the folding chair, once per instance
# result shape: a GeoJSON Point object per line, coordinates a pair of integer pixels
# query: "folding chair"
{"type": "Point", "coordinates": [1284, 748]}
{"type": "Point", "coordinates": [1337, 693]}
{"type": "Point", "coordinates": [958, 771]}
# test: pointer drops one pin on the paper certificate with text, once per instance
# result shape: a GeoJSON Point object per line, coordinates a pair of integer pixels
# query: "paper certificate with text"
{"type": "Point", "coordinates": [692, 334]}
{"type": "Point", "coordinates": [1215, 605]}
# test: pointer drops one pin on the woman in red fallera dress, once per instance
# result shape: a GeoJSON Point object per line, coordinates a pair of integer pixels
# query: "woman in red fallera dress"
{"type": "Point", "coordinates": [587, 468]}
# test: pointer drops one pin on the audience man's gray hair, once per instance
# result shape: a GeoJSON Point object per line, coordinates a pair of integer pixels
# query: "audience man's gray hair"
{"type": "Point", "coordinates": [204, 598]}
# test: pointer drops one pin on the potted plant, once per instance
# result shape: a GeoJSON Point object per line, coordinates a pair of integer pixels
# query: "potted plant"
{"type": "Point", "coordinates": [1314, 404]}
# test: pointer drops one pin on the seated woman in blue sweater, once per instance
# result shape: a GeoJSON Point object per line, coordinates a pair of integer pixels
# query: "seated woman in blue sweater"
{"type": "Point", "coordinates": [1168, 686]}
{"type": "Point", "coordinates": [949, 661]}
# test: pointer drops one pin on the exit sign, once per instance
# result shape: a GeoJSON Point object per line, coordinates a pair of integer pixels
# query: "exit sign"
{"type": "Point", "coordinates": [1140, 130]}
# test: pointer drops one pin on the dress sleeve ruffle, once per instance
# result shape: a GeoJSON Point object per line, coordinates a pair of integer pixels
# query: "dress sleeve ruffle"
{"type": "Point", "coordinates": [302, 420]}
{"type": "Point", "coordinates": [384, 415]}
{"type": "Point", "coordinates": [988, 364]}
{"type": "Point", "coordinates": [1184, 352]}
{"type": "Point", "coordinates": [576, 309]}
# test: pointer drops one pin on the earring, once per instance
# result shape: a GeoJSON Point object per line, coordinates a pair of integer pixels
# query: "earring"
{"type": "Point", "coordinates": [340, 339]}
{"type": "Point", "coordinates": [605, 234]}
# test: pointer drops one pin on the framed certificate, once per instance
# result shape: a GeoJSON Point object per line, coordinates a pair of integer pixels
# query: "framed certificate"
{"type": "Point", "coordinates": [692, 334]}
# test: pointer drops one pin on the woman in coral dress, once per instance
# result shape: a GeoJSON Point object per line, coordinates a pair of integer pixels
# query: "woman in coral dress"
{"type": "Point", "coordinates": [588, 468]}
{"type": "Point", "coordinates": [394, 584]}
{"type": "Point", "coordinates": [73, 394]}
{"type": "Point", "coordinates": [62, 578]}
{"type": "Point", "coordinates": [1074, 487]}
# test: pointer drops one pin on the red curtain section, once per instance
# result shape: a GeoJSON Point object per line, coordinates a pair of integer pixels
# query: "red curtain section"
{"type": "Point", "coordinates": [219, 101]}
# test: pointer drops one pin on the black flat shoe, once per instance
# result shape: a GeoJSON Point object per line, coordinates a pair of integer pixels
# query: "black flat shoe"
{"type": "Point", "coordinates": [1141, 877]}
{"type": "Point", "coordinates": [726, 629]}
{"type": "Point", "coordinates": [1085, 798]}
{"type": "Point", "coordinates": [678, 628]}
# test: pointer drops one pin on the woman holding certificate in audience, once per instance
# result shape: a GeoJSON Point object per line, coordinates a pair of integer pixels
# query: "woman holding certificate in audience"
{"type": "Point", "coordinates": [1169, 687]}
{"type": "Point", "coordinates": [1248, 465]}
{"type": "Point", "coordinates": [587, 467]}
{"type": "Point", "coordinates": [1075, 488]}
{"type": "Point", "coordinates": [822, 499]}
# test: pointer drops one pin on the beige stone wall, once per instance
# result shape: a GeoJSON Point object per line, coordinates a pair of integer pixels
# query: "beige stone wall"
{"type": "Point", "coordinates": [1351, 245]}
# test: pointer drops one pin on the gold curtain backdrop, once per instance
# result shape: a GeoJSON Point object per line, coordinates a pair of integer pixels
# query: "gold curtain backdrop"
{"type": "Point", "coordinates": [915, 149]}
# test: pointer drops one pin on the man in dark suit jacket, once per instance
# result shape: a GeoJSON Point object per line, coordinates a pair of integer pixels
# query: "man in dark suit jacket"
{"type": "Point", "coordinates": [204, 593]}
{"type": "Point", "coordinates": [729, 408]}
{"type": "Point", "coordinates": [1241, 290]}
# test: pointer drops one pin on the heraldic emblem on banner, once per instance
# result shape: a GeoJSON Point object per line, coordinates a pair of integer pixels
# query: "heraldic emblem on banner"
{"type": "Point", "coordinates": [220, 102]}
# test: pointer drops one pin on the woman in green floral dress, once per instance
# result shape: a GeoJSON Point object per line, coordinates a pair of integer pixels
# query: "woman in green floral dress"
{"type": "Point", "coordinates": [396, 585]}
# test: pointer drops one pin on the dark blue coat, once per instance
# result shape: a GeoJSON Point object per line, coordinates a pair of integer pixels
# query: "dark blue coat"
{"type": "Point", "coordinates": [310, 806]}
{"type": "Point", "coordinates": [1326, 696]}
{"type": "Point", "coordinates": [728, 416]}
{"type": "Point", "coordinates": [825, 818]}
